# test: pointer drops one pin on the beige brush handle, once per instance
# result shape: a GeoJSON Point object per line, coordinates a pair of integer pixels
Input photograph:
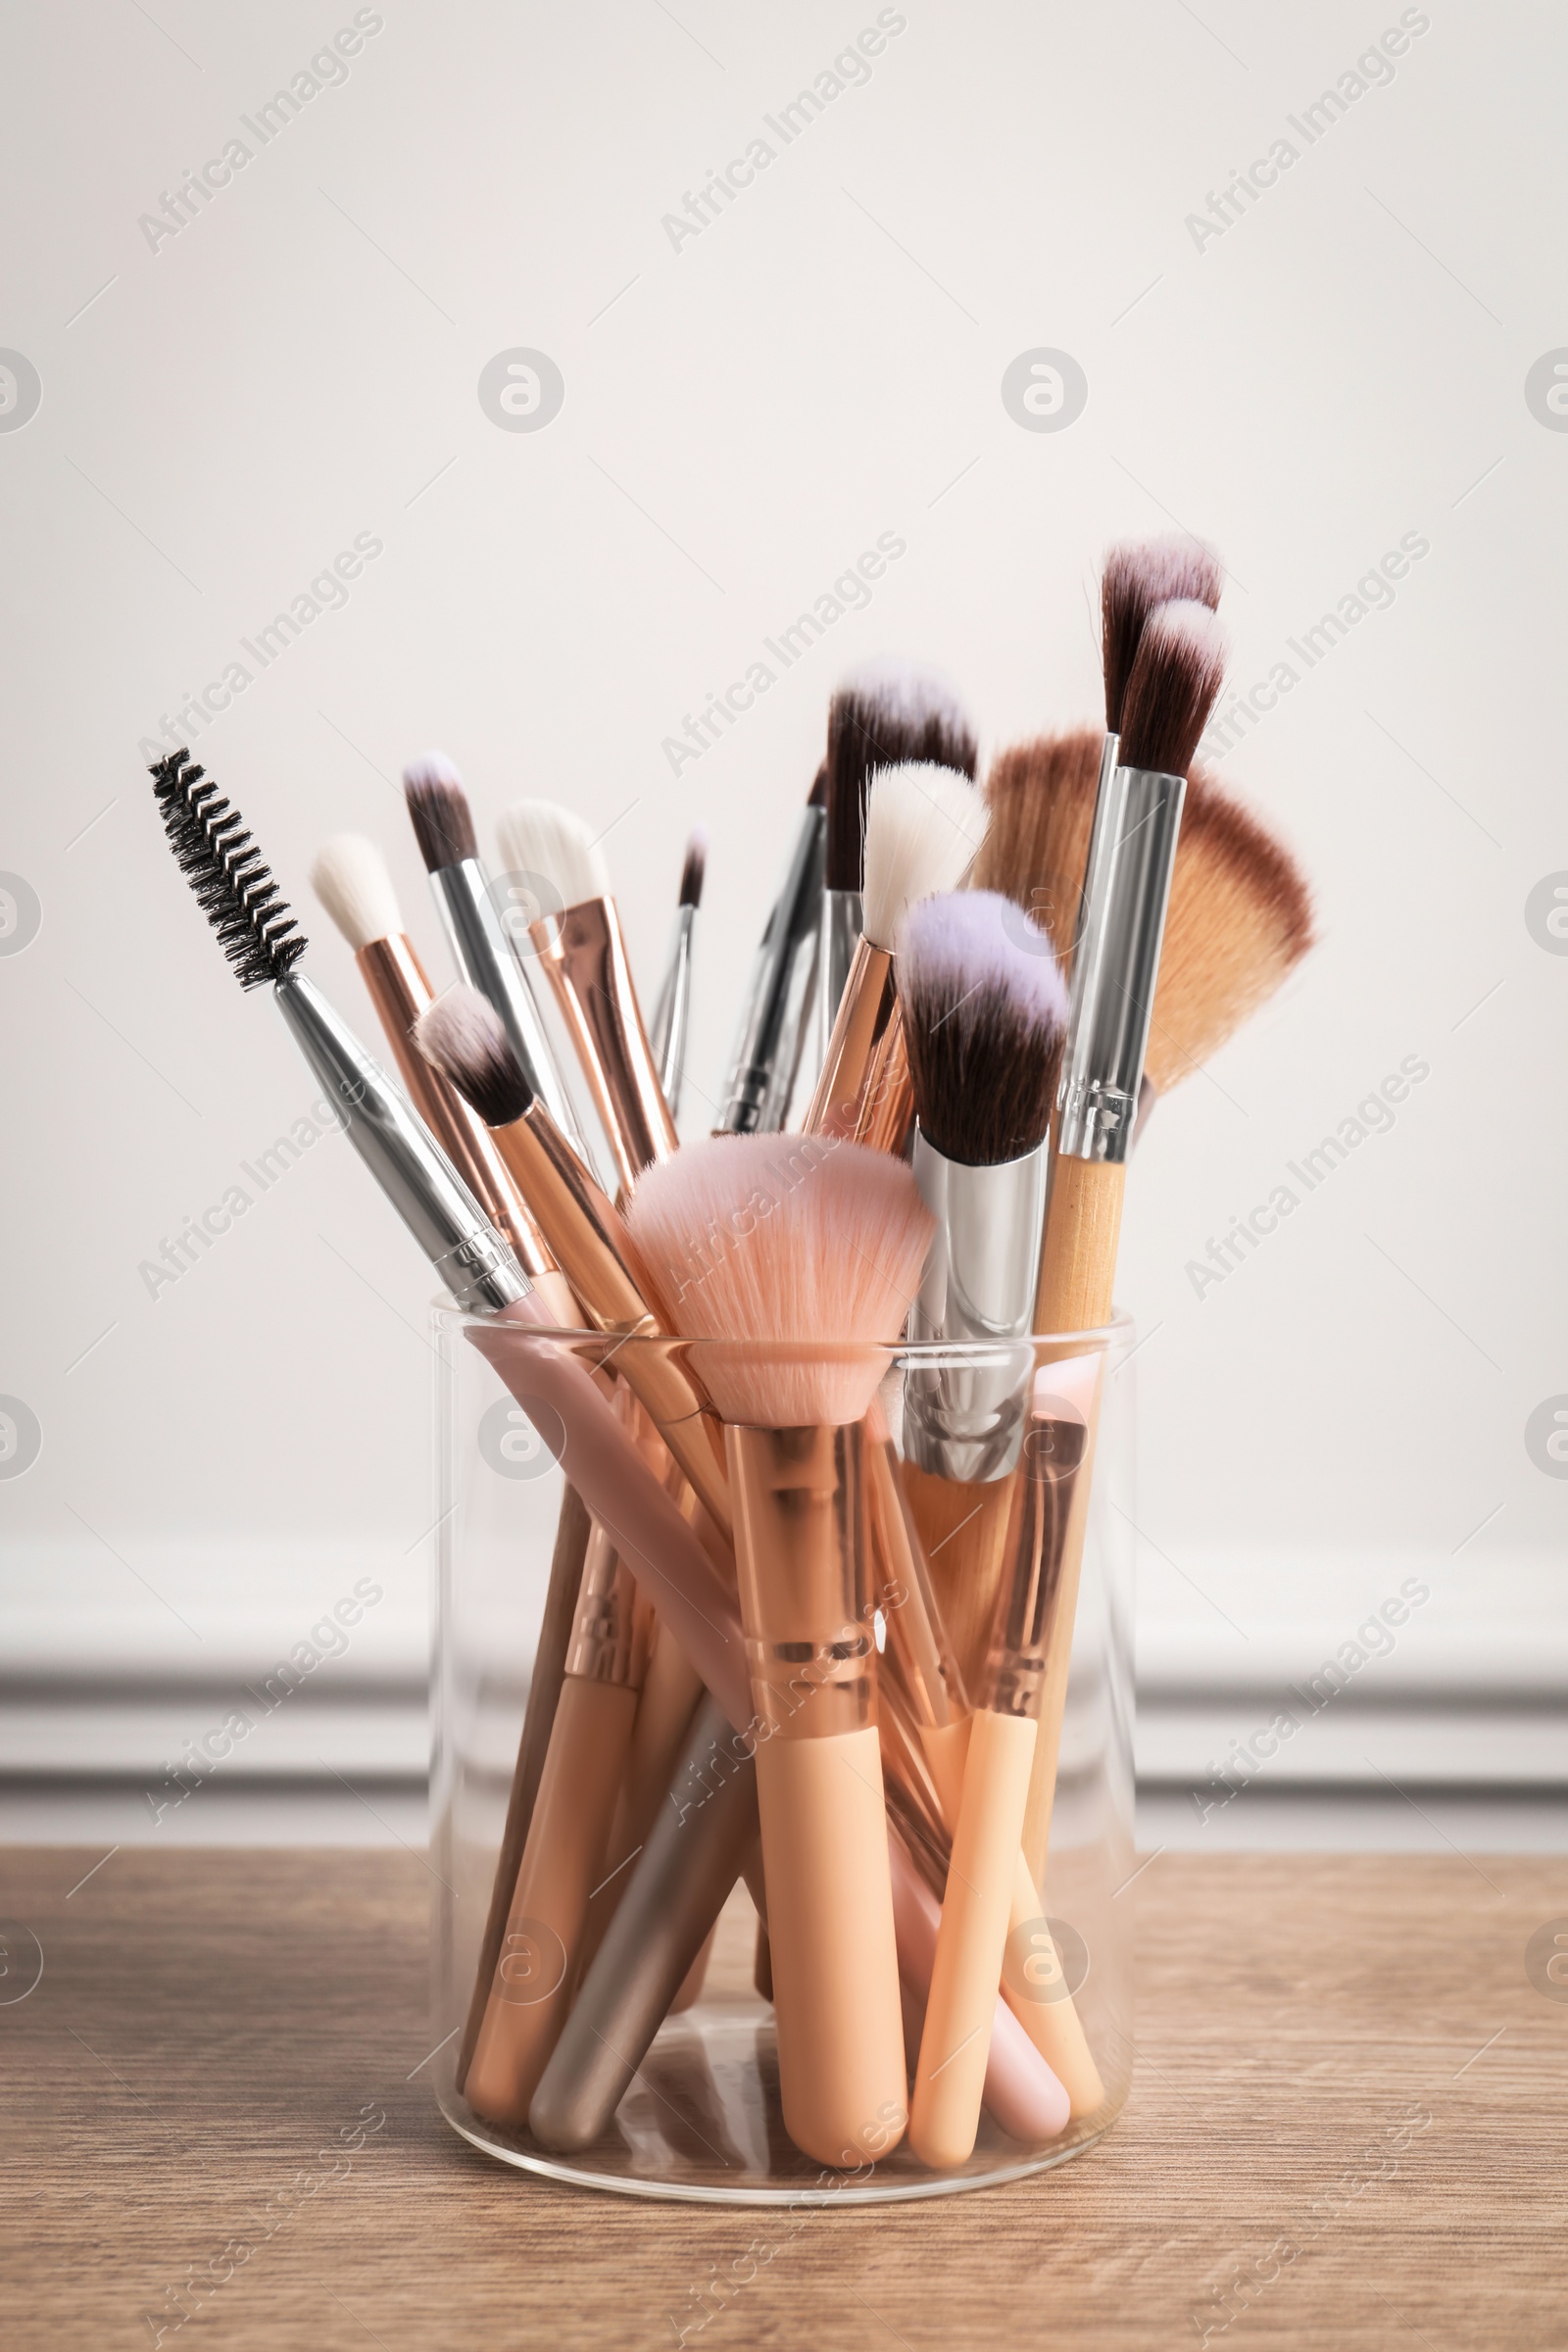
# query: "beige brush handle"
{"type": "Point", "coordinates": [532, 1989]}
{"type": "Point", "coordinates": [1076, 1293]}
{"type": "Point", "coordinates": [1054, 1696]}
{"type": "Point", "coordinates": [970, 1941]}
{"type": "Point", "coordinates": [1035, 1991]}
{"type": "Point", "coordinates": [945, 1748]}
{"type": "Point", "coordinates": [830, 1928]}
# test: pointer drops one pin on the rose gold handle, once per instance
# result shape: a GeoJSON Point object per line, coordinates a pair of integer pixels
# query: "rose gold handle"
{"type": "Point", "coordinates": [536, 1970]}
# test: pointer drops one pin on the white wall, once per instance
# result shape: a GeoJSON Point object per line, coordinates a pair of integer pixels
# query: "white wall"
{"type": "Point", "coordinates": [1343, 365]}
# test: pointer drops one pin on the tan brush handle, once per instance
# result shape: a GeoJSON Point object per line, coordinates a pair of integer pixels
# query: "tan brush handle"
{"type": "Point", "coordinates": [562, 1863]}
{"type": "Point", "coordinates": [538, 1720]}
{"type": "Point", "coordinates": [1032, 1982]}
{"type": "Point", "coordinates": [1078, 1259]}
{"type": "Point", "coordinates": [1077, 1283]}
{"type": "Point", "coordinates": [1035, 1991]}
{"type": "Point", "coordinates": [841, 2061]}
{"type": "Point", "coordinates": [955, 2044]}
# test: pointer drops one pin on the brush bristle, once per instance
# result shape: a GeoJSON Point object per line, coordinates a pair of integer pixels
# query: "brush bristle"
{"type": "Point", "coordinates": [1240, 920]}
{"type": "Point", "coordinates": [884, 713]}
{"type": "Point", "coordinates": [233, 886]}
{"type": "Point", "coordinates": [1040, 795]}
{"type": "Point", "coordinates": [1239, 917]}
{"type": "Point", "coordinates": [461, 1034]}
{"type": "Point", "coordinates": [798, 1256]}
{"type": "Point", "coordinates": [695, 869]}
{"type": "Point", "coordinates": [1176, 676]}
{"type": "Point", "coordinates": [349, 878]}
{"type": "Point", "coordinates": [985, 1020]}
{"type": "Point", "coordinates": [923, 825]}
{"type": "Point", "coordinates": [443, 822]}
{"type": "Point", "coordinates": [540, 837]}
{"type": "Point", "coordinates": [1137, 575]}
{"type": "Point", "coordinates": [816, 798]}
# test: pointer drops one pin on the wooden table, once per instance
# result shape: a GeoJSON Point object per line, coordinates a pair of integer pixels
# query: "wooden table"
{"type": "Point", "coordinates": [208, 2020]}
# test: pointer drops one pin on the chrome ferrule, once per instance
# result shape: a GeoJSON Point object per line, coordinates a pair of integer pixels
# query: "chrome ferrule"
{"type": "Point", "coordinates": [1132, 853]}
{"type": "Point", "coordinates": [964, 1412]}
{"type": "Point", "coordinates": [414, 1174]}
{"type": "Point", "coordinates": [843, 922]}
{"type": "Point", "coordinates": [781, 994]}
{"type": "Point", "coordinates": [486, 953]}
{"type": "Point", "coordinates": [666, 1031]}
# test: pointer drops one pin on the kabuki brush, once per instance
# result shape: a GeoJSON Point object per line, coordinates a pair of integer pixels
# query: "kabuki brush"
{"type": "Point", "coordinates": [581, 950]}
{"type": "Point", "coordinates": [797, 1307]}
{"type": "Point", "coordinates": [483, 947]}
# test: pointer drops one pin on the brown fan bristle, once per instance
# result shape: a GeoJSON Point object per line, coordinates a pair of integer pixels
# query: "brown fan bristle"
{"type": "Point", "coordinates": [1042, 801]}
{"type": "Point", "coordinates": [1239, 922]}
{"type": "Point", "coordinates": [886, 713]}
{"type": "Point", "coordinates": [1137, 575]}
{"type": "Point", "coordinates": [1239, 917]}
{"type": "Point", "coordinates": [438, 806]}
{"type": "Point", "coordinates": [1176, 676]}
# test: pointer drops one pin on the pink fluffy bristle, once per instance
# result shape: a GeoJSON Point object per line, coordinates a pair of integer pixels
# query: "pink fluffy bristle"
{"type": "Point", "coordinates": [796, 1257]}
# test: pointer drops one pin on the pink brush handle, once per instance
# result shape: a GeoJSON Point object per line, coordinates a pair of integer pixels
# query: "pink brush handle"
{"type": "Point", "coordinates": [657, 1542]}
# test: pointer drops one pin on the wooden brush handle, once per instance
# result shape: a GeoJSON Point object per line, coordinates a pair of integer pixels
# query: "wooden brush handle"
{"type": "Point", "coordinates": [1078, 1262]}
{"type": "Point", "coordinates": [841, 2062]}
{"type": "Point", "coordinates": [534, 1976]}
{"type": "Point", "coordinates": [1076, 1293]}
{"type": "Point", "coordinates": [539, 1715]}
{"type": "Point", "coordinates": [956, 2043]}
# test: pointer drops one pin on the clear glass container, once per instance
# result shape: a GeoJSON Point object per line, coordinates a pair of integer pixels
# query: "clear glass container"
{"type": "Point", "coordinates": [529, 1586]}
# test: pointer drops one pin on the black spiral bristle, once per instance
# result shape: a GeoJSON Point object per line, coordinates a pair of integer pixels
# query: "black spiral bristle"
{"type": "Point", "coordinates": [216, 854]}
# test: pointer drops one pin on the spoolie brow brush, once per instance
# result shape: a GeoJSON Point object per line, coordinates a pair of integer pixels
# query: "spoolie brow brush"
{"type": "Point", "coordinates": [263, 941]}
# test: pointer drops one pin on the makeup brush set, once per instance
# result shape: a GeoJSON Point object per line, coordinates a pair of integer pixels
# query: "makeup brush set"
{"type": "Point", "coordinates": [825, 1383]}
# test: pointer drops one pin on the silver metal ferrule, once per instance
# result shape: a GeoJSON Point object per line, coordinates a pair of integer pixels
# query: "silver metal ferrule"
{"type": "Point", "coordinates": [667, 1032]}
{"type": "Point", "coordinates": [1131, 857]}
{"type": "Point", "coordinates": [779, 997]}
{"type": "Point", "coordinates": [843, 921]}
{"type": "Point", "coordinates": [965, 1413]}
{"type": "Point", "coordinates": [468, 1254]}
{"type": "Point", "coordinates": [486, 955]}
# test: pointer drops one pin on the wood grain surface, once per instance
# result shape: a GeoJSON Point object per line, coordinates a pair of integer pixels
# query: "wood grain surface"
{"type": "Point", "coordinates": [1350, 2111]}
